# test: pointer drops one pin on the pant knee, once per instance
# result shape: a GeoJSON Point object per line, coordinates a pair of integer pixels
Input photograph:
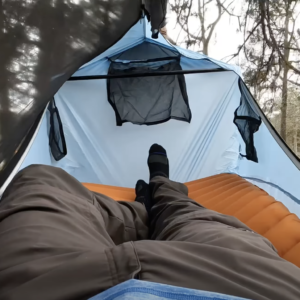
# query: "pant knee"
{"type": "Point", "coordinates": [34, 175]}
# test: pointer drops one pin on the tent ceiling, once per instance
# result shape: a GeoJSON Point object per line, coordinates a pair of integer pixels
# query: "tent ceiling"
{"type": "Point", "coordinates": [146, 51]}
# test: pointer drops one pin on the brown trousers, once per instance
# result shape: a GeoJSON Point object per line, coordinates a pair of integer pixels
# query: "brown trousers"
{"type": "Point", "coordinates": [60, 241]}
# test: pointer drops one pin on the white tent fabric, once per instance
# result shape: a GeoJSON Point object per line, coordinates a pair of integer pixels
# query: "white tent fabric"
{"type": "Point", "coordinates": [274, 165]}
{"type": "Point", "coordinates": [101, 152]}
{"type": "Point", "coordinates": [133, 37]}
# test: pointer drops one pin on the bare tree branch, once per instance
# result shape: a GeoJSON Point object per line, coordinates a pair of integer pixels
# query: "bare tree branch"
{"type": "Point", "coordinates": [213, 24]}
{"type": "Point", "coordinates": [266, 13]}
{"type": "Point", "coordinates": [294, 82]}
{"type": "Point", "coordinates": [184, 10]}
{"type": "Point", "coordinates": [228, 12]}
{"type": "Point", "coordinates": [244, 43]}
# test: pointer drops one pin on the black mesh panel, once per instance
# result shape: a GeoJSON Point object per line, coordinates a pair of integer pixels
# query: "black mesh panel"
{"type": "Point", "coordinates": [148, 100]}
{"type": "Point", "coordinates": [57, 141]}
{"type": "Point", "coordinates": [247, 121]}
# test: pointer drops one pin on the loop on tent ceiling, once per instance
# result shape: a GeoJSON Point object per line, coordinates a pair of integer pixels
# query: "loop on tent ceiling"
{"type": "Point", "coordinates": [57, 140]}
{"type": "Point", "coordinates": [156, 11]}
{"type": "Point", "coordinates": [247, 121]}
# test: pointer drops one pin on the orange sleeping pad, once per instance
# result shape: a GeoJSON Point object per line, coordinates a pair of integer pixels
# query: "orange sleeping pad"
{"type": "Point", "coordinates": [232, 195]}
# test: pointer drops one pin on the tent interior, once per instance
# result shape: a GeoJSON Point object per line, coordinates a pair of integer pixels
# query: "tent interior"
{"type": "Point", "coordinates": [99, 151]}
{"type": "Point", "coordinates": [102, 121]}
{"type": "Point", "coordinates": [89, 86]}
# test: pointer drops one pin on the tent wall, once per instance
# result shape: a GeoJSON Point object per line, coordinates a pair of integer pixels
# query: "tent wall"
{"type": "Point", "coordinates": [274, 165]}
{"type": "Point", "coordinates": [40, 152]}
{"type": "Point", "coordinates": [101, 152]}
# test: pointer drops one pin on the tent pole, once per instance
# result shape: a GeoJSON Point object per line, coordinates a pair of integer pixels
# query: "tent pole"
{"type": "Point", "coordinates": [177, 72]}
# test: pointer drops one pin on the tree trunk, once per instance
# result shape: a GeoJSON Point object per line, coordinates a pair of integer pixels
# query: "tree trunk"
{"type": "Point", "coordinates": [284, 102]}
{"type": "Point", "coordinates": [205, 47]}
{"type": "Point", "coordinates": [298, 143]}
{"type": "Point", "coordinates": [286, 54]}
{"type": "Point", "coordinates": [296, 140]}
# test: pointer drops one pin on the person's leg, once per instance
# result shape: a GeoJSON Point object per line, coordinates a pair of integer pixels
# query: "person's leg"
{"type": "Point", "coordinates": [202, 249]}
{"type": "Point", "coordinates": [171, 204]}
{"type": "Point", "coordinates": [124, 221]}
{"type": "Point", "coordinates": [61, 241]}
